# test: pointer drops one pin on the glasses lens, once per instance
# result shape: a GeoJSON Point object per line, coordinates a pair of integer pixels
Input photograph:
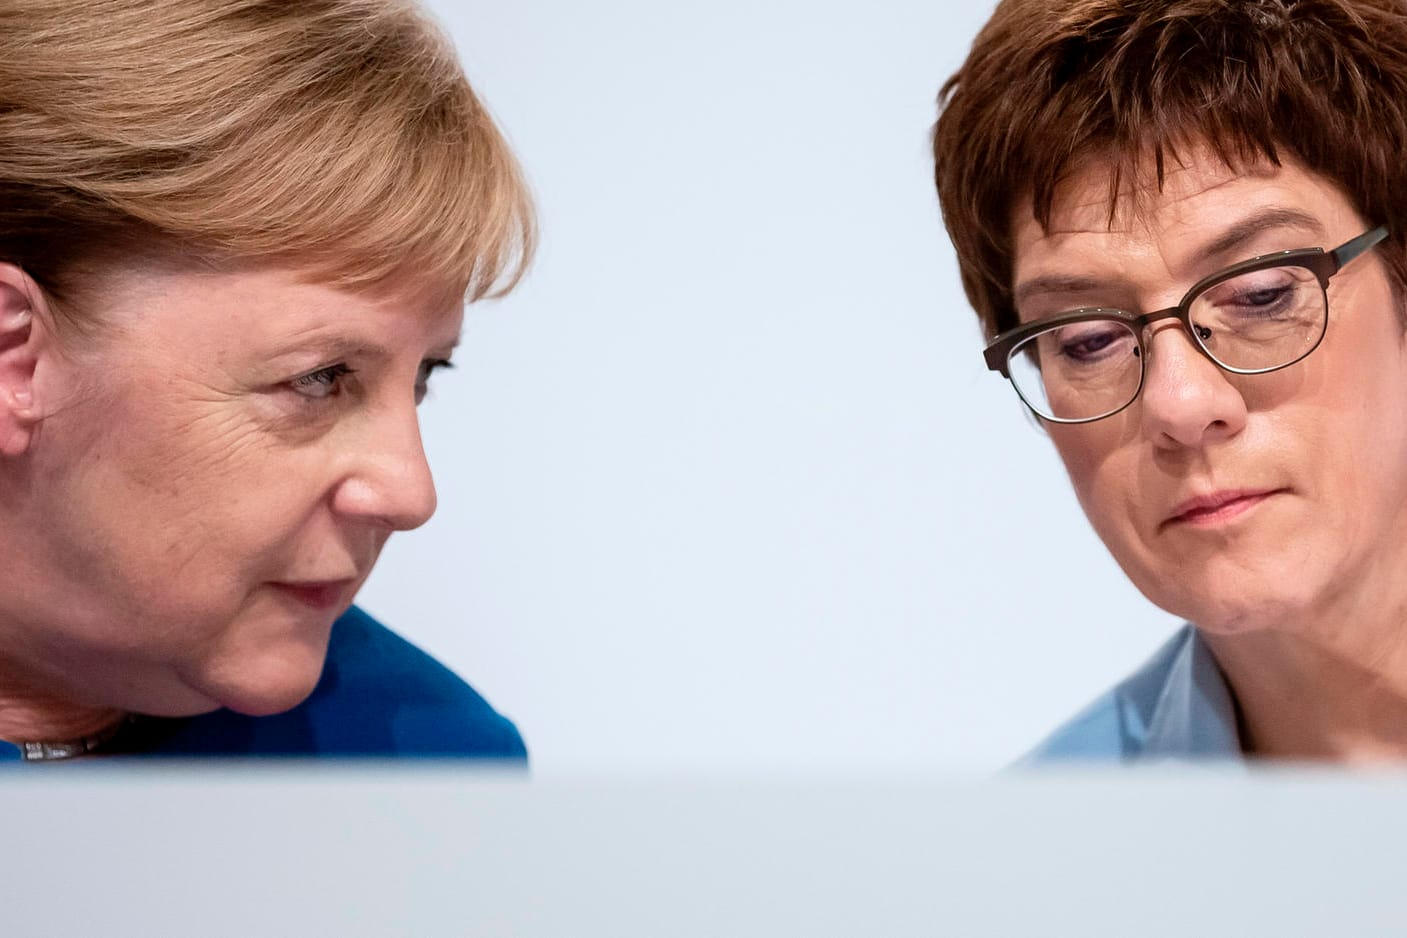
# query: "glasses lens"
{"type": "Point", "coordinates": [1079, 371]}
{"type": "Point", "coordinates": [1261, 320]}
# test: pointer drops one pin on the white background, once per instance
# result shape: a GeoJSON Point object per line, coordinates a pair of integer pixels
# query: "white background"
{"type": "Point", "coordinates": [725, 486]}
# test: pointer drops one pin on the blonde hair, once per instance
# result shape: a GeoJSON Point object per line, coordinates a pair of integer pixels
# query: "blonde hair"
{"type": "Point", "coordinates": [340, 136]}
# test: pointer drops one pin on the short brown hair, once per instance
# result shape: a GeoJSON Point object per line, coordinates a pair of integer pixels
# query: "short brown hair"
{"type": "Point", "coordinates": [1049, 82]}
{"type": "Point", "coordinates": [340, 136]}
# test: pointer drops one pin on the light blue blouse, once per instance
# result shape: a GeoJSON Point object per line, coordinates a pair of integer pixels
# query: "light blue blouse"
{"type": "Point", "coordinates": [1177, 706]}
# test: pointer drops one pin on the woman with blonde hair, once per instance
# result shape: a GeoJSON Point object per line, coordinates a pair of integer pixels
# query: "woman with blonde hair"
{"type": "Point", "coordinates": [236, 239]}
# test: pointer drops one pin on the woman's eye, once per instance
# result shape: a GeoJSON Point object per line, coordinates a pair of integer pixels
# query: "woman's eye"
{"type": "Point", "coordinates": [1260, 299]}
{"type": "Point", "coordinates": [1255, 294]}
{"type": "Point", "coordinates": [427, 368]}
{"type": "Point", "coordinates": [1090, 344]}
{"type": "Point", "coordinates": [323, 383]}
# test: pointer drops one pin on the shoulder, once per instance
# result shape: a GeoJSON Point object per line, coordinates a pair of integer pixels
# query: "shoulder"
{"type": "Point", "coordinates": [378, 689]}
{"type": "Point", "coordinates": [1114, 727]}
{"type": "Point", "coordinates": [379, 695]}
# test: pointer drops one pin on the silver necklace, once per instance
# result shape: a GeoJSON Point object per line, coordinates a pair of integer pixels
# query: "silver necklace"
{"type": "Point", "coordinates": [72, 748]}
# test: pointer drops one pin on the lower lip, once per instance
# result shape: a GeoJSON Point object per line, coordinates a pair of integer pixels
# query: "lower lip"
{"type": "Point", "coordinates": [1221, 514]}
{"type": "Point", "coordinates": [321, 597]}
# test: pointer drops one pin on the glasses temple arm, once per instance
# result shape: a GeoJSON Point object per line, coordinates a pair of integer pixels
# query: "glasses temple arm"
{"type": "Point", "coordinates": [1351, 249]}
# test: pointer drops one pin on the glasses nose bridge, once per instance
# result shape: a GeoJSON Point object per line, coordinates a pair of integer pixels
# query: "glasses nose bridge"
{"type": "Point", "coordinates": [1142, 324]}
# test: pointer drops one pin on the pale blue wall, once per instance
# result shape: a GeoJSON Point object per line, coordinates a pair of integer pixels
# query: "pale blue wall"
{"type": "Point", "coordinates": [725, 484]}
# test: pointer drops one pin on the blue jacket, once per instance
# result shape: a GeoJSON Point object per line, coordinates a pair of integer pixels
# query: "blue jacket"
{"type": "Point", "coordinates": [379, 696]}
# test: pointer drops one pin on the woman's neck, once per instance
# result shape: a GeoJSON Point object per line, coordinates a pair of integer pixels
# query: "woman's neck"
{"type": "Point", "coordinates": [27, 715]}
{"type": "Point", "coordinates": [1331, 689]}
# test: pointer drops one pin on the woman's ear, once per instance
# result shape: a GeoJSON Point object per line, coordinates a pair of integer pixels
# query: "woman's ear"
{"type": "Point", "coordinates": [21, 335]}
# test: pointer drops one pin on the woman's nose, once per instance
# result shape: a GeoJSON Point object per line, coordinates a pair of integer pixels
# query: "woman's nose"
{"type": "Point", "coordinates": [1187, 401]}
{"type": "Point", "coordinates": [391, 486]}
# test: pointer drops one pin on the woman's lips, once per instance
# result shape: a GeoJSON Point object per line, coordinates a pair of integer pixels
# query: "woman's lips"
{"type": "Point", "coordinates": [1216, 507]}
{"type": "Point", "coordinates": [322, 595]}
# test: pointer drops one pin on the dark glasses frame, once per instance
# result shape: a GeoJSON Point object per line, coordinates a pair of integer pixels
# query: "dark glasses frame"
{"type": "Point", "coordinates": [1323, 264]}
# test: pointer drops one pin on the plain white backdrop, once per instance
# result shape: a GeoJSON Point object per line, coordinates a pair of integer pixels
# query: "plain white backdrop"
{"type": "Point", "coordinates": [725, 486]}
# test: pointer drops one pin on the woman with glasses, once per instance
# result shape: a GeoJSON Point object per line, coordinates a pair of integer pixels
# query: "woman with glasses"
{"type": "Point", "coordinates": [1182, 228]}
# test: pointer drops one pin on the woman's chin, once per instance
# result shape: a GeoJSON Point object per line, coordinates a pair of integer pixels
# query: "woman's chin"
{"type": "Point", "coordinates": [1249, 611]}
{"type": "Point", "coordinates": [264, 703]}
{"type": "Point", "coordinates": [264, 688]}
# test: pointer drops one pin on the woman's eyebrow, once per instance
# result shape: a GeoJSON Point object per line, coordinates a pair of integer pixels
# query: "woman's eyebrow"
{"type": "Point", "coordinates": [1056, 284]}
{"type": "Point", "coordinates": [333, 347]}
{"type": "Point", "coordinates": [1222, 246]}
{"type": "Point", "coordinates": [448, 348]}
{"type": "Point", "coordinates": [1247, 229]}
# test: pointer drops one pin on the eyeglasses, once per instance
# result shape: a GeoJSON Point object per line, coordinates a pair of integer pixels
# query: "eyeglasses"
{"type": "Point", "coordinates": [1261, 315]}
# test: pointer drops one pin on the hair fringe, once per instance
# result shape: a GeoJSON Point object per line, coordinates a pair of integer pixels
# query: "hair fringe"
{"type": "Point", "coordinates": [339, 136]}
{"type": "Point", "coordinates": [1049, 84]}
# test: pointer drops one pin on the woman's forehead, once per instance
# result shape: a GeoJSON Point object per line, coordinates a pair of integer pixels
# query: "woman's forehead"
{"type": "Point", "coordinates": [1099, 193]}
{"type": "Point", "coordinates": [254, 302]}
{"type": "Point", "coordinates": [1195, 199]}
